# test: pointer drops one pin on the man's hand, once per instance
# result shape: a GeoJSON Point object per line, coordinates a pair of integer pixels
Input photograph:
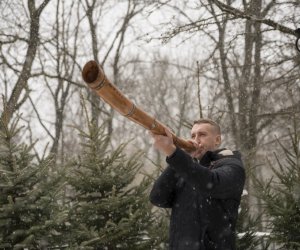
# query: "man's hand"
{"type": "Point", "coordinates": [164, 143]}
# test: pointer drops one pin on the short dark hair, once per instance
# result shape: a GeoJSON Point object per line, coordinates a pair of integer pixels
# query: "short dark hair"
{"type": "Point", "coordinates": [209, 121]}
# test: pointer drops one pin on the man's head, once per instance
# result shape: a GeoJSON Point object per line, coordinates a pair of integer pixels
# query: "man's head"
{"type": "Point", "coordinates": [207, 134]}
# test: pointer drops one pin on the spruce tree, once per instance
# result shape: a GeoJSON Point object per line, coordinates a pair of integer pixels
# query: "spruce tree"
{"type": "Point", "coordinates": [159, 233]}
{"type": "Point", "coordinates": [107, 210]}
{"type": "Point", "coordinates": [281, 195]}
{"type": "Point", "coordinates": [247, 226]}
{"type": "Point", "coordinates": [28, 192]}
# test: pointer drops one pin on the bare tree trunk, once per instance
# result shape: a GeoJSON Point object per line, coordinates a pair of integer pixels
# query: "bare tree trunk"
{"type": "Point", "coordinates": [199, 92]}
{"type": "Point", "coordinates": [22, 83]}
{"type": "Point", "coordinates": [64, 70]}
{"type": "Point", "coordinates": [95, 101]}
{"type": "Point", "coordinates": [118, 41]}
{"type": "Point", "coordinates": [244, 86]}
{"type": "Point", "coordinates": [131, 12]}
{"type": "Point", "coordinates": [226, 78]}
{"type": "Point", "coordinates": [244, 126]}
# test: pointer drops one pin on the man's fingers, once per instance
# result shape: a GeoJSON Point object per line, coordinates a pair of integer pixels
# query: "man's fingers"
{"type": "Point", "coordinates": [168, 133]}
{"type": "Point", "coordinates": [165, 139]}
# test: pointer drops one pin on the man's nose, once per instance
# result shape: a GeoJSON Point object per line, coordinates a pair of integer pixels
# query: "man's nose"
{"type": "Point", "coordinates": [198, 139]}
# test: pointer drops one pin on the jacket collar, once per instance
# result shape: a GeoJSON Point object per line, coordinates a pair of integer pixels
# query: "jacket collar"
{"type": "Point", "coordinates": [218, 154]}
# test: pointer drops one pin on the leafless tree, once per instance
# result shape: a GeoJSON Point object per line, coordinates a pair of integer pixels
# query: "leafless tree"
{"type": "Point", "coordinates": [23, 70]}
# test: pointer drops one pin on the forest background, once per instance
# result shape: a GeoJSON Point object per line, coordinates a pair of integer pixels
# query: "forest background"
{"type": "Point", "coordinates": [64, 151]}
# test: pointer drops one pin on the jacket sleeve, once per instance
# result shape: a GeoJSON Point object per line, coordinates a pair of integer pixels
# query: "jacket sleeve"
{"type": "Point", "coordinates": [163, 191]}
{"type": "Point", "coordinates": [223, 182]}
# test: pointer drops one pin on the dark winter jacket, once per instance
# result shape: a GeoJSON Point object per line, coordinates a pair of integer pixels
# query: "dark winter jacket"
{"type": "Point", "coordinates": [204, 198]}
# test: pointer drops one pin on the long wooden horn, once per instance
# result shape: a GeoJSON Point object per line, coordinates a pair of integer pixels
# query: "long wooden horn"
{"type": "Point", "coordinates": [94, 76]}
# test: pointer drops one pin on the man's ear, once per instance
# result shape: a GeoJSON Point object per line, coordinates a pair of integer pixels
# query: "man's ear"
{"type": "Point", "coordinates": [218, 140]}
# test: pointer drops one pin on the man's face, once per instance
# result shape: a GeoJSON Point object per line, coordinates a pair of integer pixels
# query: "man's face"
{"type": "Point", "coordinates": [207, 137]}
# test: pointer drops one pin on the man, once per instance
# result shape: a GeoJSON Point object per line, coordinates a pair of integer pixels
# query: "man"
{"type": "Point", "coordinates": [203, 188]}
